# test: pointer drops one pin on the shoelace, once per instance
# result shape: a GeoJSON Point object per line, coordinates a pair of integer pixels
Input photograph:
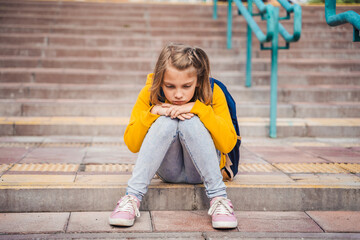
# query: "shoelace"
{"type": "Point", "coordinates": [128, 204]}
{"type": "Point", "coordinates": [220, 206]}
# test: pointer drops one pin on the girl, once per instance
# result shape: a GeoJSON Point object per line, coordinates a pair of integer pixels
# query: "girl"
{"type": "Point", "coordinates": [181, 129]}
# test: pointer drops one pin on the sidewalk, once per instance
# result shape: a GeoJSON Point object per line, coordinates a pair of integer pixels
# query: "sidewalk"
{"type": "Point", "coordinates": [183, 225]}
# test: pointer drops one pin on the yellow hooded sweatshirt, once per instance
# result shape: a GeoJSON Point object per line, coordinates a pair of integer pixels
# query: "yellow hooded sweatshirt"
{"type": "Point", "coordinates": [216, 119]}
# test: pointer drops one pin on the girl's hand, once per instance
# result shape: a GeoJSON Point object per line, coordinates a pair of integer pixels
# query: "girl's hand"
{"type": "Point", "coordinates": [180, 111]}
{"type": "Point", "coordinates": [185, 116]}
{"type": "Point", "coordinates": [160, 109]}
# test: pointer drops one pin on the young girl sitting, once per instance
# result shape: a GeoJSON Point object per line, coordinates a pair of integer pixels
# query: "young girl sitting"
{"type": "Point", "coordinates": [181, 129]}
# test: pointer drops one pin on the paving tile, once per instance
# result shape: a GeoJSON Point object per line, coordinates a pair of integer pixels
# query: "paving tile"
{"type": "Point", "coordinates": [334, 154]}
{"type": "Point", "coordinates": [39, 178]}
{"type": "Point", "coordinates": [249, 157]}
{"type": "Point", "coordinates": [337, 221]}
{"type": "Point", "coordinates": [33, 222]}
{"type": "Point", "coordinates": [120, 154]}
{"type": "Point", "coordinates": [276, 222]}
{"type": "Point", "coordinates": [182, 221]}
{"type": "Point", "coordinates": [355, 149]}
{"type": "Point", "coordinates": [327, 179]}
{"type": "Point", "coordinates": [284, 155]}
{"type": "Point", "coordinates": [55, 155]}
{"type": "Point", "coordinates": [12, 154]}
{"type": "Point", "coordinates": [98, 222]}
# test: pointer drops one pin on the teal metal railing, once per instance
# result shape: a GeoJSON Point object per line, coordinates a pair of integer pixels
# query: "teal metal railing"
{"type": "Point", "coordinates": [274, 28]}
{"type": "Point", "coordinates": [334, 19]}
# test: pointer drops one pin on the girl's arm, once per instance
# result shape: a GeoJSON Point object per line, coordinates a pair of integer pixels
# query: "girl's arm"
{"type": "Point", "coordinates": [140, 121]}
{"type": "Point", "coordinates": [217, 120]}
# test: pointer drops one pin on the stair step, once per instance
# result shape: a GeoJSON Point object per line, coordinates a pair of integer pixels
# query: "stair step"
{"type": "Point", "coordinates": [41, 39]}
{"type": "Point", "coordinates": [92, 76]}
{"type": "Point", "coordinates": [108, 108]}
{"type": "Point", "coordinates": [132, 52]}
{"type": "Point", "coordinates": [290, 93]}
{"type": "Point", "coordinates": [95, 180]}
{"type": "Point", "coordinates": [126, 30]}
{"type": "Point", "coordinates": [147, 64]}
{"type": "Point", "coordinates": [115, 126]}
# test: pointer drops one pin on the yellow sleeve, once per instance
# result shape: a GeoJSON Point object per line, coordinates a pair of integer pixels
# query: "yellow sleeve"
{"type": "Point", "coordinates": [140, 121]}
{"type": "Point", "coordinates": [217, 120]}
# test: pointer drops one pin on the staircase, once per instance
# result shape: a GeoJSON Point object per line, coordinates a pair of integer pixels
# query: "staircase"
{"type": "Point", "coordinates": [70, 73]}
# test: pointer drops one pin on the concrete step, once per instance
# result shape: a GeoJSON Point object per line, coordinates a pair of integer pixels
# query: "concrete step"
{"type": "Point", "coordinates": [108, 52]}
{"type": "Point", "coordinates": [325, 34]}
{"type": "Point", "coordinates": [43, 172]}
{"type": "Point", "coordinates": [132, 52]}
{"type": "Point", "coordinates": [290, 93]}
{"type": "Point", "coordinates": [152, 11]}
{"type": "Point", "coordinates": [315, 12]}
{"type": "Point", "coordinates": [91, 76]}
{"type": "Point", "coordinates": [147, 64]}
{"type": "Point", "coordinates": [115, 126]}
{"type": "Point", "coordinates": [107, 108]}
{"type": "Point", "coordinates": [56, 40]}
{"type": "Point", "coordinates": [146, 20]}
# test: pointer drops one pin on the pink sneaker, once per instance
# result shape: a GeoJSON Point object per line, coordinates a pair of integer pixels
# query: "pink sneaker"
{"type": "Point", "coordinates": [222, 212]}
{"type": "Point", "coordinates": [126, 210]}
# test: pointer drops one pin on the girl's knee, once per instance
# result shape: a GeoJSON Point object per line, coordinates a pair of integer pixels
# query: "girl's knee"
{"type": "Point", "coordinates": [165, 124]}
{"type": "Point", "coordinates": [191, 125]}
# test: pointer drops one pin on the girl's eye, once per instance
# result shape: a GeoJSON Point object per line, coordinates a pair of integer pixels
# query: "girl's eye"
{"type": "Point", "coordinates": [169, 86]}
{"type": "Point", "coordinates": [187, 86]}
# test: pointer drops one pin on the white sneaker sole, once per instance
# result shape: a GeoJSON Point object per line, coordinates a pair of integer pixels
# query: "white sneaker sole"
{"type": "Point", "coordinates": [121, 222]}
{"type": "Point", "coordinates": [224, 224]}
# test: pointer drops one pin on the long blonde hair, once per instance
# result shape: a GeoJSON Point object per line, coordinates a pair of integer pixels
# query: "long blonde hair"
{"type": "Point", "coordinates": [182, 57]}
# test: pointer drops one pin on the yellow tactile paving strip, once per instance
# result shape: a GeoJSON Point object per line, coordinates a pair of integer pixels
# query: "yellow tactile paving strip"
{"type": "Point", "coordinates": [353, 168]}
{"type": "Point", "coordinates": [253, 167]}
{"type": "Point", "coordinates": [245, 167]}
{"type": "Point", "coordinates": [350, 122]}
{"type": "Point", "coordinates": [4, 167]}
{"type": "Point", "coordinates": [310, 168]}
{"type": "Point", "coordinates": [43, 167]}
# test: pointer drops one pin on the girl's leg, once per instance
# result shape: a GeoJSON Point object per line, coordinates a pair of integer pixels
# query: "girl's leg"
{"type": "Point", "coordinates": [200, 149]}
{"type": "Point", "coordinates": [152, 152]}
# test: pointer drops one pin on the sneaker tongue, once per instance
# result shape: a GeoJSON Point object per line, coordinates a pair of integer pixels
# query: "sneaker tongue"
{"type": "Point", "coordinates": [221, 210]}
{"type": "Point", "coordinates": [220, 206]}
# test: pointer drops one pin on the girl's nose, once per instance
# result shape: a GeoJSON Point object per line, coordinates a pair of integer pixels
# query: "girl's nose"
{"type": "Point", "coordinates": [178, 95]}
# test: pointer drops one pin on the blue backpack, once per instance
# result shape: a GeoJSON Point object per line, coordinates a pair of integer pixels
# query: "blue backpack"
{"type": "Point", "coordinates": [231, 167]}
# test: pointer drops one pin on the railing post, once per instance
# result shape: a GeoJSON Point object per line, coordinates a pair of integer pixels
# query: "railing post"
{"type": "Point", "coordinates": [334, 19]}
{"type": "Point", "coordinates": [249, 48]}
{"type": "Point", "coordinates": [229, 24]}
{"type": "Point", "coordinates": [356, 35]}
{"type": "Point", "coordinates": [274, 75]}
{"type": "Point", "coordinates": [215, 10]}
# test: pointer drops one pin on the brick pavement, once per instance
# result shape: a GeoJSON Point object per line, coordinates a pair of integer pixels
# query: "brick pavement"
{"type": "Point", "coordinates": [185, 224]}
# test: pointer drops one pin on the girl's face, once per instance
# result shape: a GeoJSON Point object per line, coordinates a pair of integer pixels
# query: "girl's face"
{"type": "Point", "coordinates": [179, 86]}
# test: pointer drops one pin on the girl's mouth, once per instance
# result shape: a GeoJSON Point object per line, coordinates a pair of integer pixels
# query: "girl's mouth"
{"type": "Point", "coordinates": [179, 102]}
